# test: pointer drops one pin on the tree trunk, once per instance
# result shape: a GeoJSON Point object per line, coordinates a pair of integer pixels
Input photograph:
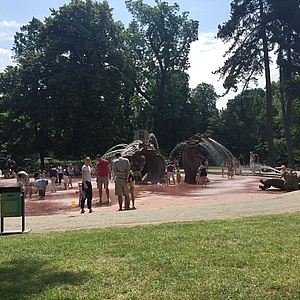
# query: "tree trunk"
{"type": "Point", "coordinates": [286, 104]}
{"type": "Point", "coordinates": [269, 128]}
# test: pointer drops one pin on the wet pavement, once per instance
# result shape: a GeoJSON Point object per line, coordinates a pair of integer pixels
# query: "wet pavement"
{"type": "Point", "coordinates": [223, 198]}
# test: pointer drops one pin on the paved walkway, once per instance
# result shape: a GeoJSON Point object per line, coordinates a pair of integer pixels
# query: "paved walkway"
{"type": "Point", "coordinates": [280, 203]}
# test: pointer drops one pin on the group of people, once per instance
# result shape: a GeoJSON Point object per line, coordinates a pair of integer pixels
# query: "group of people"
{"type": "Point", "coordinates": [123, 178]}
{"type": "Point", "coordinates": [39, 185]}
{"type": "Point", "coordinates": [172, 172]}
{"type": "Point", "coordinates": [58, 174]}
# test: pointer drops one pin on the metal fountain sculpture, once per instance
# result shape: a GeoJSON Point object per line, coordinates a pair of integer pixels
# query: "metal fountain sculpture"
{"type": "Point", "coordinates": [198, 148]}
{"type": "Point", "coordinates": [143, 156]}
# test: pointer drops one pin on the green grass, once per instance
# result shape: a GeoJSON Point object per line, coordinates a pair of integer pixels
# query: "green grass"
{"type": "Point", "coordinates": [250, 258]}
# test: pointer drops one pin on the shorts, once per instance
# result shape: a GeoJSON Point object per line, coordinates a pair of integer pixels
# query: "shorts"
{"type": "Point", "coordinates": [102, 180]}
{"type": "Point", "coordinates": [121, 187]}
{"type": "Point", "coordinates": [171, 175]}
{"type": "Point", "coordinates": [203, 179]}
{"type": "Point", "coordinates": [131, 185]}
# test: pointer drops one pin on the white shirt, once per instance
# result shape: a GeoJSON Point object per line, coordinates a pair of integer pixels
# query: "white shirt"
{"type": "Point", "coordinates": [86, 172]}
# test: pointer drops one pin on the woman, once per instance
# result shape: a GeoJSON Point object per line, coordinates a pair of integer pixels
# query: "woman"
{"type": "Point", "coordinates": [87, 192]}
{"type": "Point", "coordinates": [71, 174]}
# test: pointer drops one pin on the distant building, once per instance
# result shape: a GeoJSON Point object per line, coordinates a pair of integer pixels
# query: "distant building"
{"type": "Point", "coordinates": [141, 134]}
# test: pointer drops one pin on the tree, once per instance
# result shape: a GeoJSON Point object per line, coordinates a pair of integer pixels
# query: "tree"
{"type": "Point", "coordinates": [16, 128]}
{"type": "Point", "coordinates": [160, 41]}
{"type": "Point", "coordinates": [249, 34]}
{"type": "Point", "coordinates": [243, 121]}
{"type": "Point", "coordinates": [73, 79]}
{"type": "Point", "coordinates": [204, 99]}
{"type": "Point", "coordinates": [286, 34]}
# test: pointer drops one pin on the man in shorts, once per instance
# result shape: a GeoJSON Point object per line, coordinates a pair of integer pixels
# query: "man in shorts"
{"type": "Point", "coordinates": [121, 168]}
{"type": "Point", "coordinates": [103, 174]}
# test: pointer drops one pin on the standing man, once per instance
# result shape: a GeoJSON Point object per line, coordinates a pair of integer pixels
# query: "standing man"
{"type": "Point", "coordinates": [87, 192]}
{"type": "Point", "coordinates": [103, 174]}
{"type": "Point", "coordinates": [121, 168]}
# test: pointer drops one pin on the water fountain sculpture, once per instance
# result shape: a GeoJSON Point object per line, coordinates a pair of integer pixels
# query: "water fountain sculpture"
{"type": "Point", "coordinates": [143, 156]}
{"type": "Point", "coordinates": [198, 148]}
{"type": "Point", "coordinates": [287, 182]}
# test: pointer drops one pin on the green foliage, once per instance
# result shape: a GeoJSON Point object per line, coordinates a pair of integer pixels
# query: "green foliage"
{"type": "Point", "coordinates": [203, 99]}
{"type": "Point", "coordinates": [159, 43]}
{"type": "Point", "coordinates": [83, 83]}
{"type": "Point", "coordinates": [73, 85]}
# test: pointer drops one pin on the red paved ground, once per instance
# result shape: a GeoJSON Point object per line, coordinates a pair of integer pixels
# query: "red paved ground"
{"type": "Point", "coordinates": [219, 189]}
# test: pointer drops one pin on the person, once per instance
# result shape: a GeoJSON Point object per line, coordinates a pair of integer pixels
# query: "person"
{"type": "Point", "coordinates": [178, 176]}
{"type": "Point", "coordinates": [165, 179]}
{"type": "Point", "coordinates": [87, 192]}
{"type": "Point", "coordinates": [206, 164]}
{"type": "Point", "coordinates": [198, 179]}
{"type": "Point", "coordinates": [131, 184]}
{"type": "Point", "coordinates": [65, 178]}
{"type": "Point", "coordinates": [176, 163]}
{"type": "Point", "coordinates": [41, 185]}
{"type": "Point", "coordinates": [103, 175]}
{"type": "Point", "coordinates": [23, 182]}
{"type": "Point", "coordinates": [43, 173]}
{"type": "Point", "coordinates": [137, 171]}
{"type": "Point", "coordinates": [241, 163]}
{"type": "Point", "coordinates": [53, 178]}
{"type": "Point", "coordinates": [60, 173]}
{"type": "Point", "coordinates": [203, 175]}
{"type": "Point", "coordinates": [256, 159]}
{"type": "Point", "coordinates": [283, 171]}
{"type": "Point", "coordinates": [170, 171]}
{"type": "Point", "coordinates": [71, 174]}
{"type": "Point", "coordinates": [121, 168]}
{"type": "Point", "coordinates": [252, 162]}
{"type": "Point", "coordinates": [230, 170]}
{"type": "Point", "coordinates": [113, 175]}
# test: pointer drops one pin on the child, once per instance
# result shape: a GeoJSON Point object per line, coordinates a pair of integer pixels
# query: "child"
{"type": "Point", "coordinates": [203, 175]}
{"type": "Point", "coordinates": [65, 178]}
{"type": "Point", "coordinates": [230, 171]}
{"type": "Point", "coordinates": [131, 184]}
{"type": "Point", "coordinates": [198, 179]}
{"type": "Point", "coordinates": [166, 181]}
{"type": "Point", "coordinates": [178, 176]}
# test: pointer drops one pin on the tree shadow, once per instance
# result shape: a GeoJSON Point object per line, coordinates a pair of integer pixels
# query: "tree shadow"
{"type": "Point", "coordinates": [22, 278]}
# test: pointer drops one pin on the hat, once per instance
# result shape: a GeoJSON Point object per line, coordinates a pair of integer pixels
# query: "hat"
{"type": "Point", "coordinates": [282, 167]}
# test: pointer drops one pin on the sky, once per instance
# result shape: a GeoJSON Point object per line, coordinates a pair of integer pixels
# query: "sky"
{"type": "Point", "coordinates": [206, 54]}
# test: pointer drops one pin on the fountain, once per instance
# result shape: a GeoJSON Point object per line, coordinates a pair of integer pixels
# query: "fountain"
{"type": "Point", "coordinates": [144, 157]}
{"type": "Point", "coordinates": [198, 148]}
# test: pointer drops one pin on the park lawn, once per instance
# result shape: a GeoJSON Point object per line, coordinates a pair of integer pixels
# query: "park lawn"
{"type": "Point", "coordinates": [249, 258]}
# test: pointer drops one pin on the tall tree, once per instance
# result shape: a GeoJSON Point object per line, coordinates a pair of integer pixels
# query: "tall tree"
{"type": "Point", "coordinates": [160, 41]}
{"type": "Point", "coordinates": [244, 121]}
{"type": "Point", "coordinates": [249, 34]}
{"type": "Point", "coordinates": [73, 74]}
{"type": "Point", "coordinates": [285, 16]}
